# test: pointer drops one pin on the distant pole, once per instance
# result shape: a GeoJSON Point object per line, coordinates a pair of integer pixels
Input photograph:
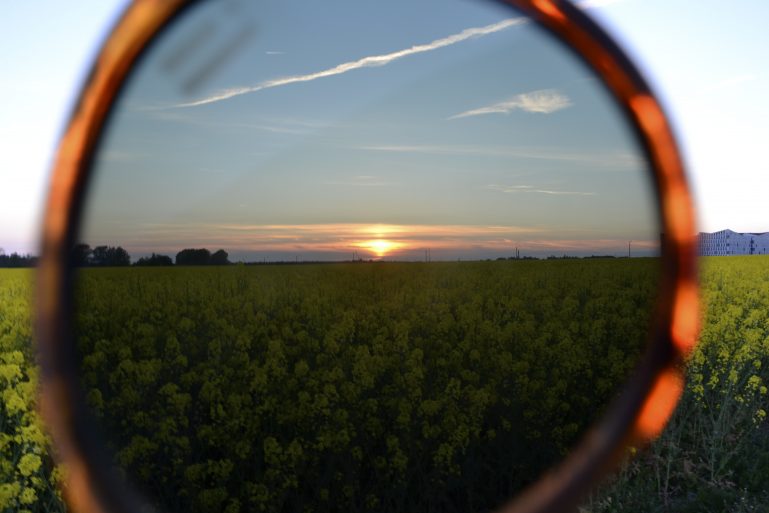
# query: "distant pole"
{"type": "Point", "coordinates": [628, 248]}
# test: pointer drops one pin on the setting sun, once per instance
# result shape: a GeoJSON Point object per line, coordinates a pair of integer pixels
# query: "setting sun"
{"type": "Point", "coordinates": [380, 247]}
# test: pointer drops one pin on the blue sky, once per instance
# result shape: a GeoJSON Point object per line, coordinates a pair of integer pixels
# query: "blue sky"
{"type": "Point", "coordinates": [706, 64]}
{"type": "Point", "coordinates": [333, 131]}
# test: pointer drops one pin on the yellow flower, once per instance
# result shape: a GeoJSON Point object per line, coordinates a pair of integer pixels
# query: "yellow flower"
{"type": "Point", "coordinates": [8, 494]}
{"type": "Point", "coordinates": [29, 464]}
{"type": "Point", "coordinates": [28, 496]}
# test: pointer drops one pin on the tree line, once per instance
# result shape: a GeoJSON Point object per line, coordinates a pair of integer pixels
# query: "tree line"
{"type": "Point", "coordinates": [108, 256]}
{"type": "Point", "coordinates": [17, 260]}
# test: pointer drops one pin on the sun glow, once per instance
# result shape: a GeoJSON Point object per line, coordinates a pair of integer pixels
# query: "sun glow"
{"type": "Point", "coordinates": [380, 247]}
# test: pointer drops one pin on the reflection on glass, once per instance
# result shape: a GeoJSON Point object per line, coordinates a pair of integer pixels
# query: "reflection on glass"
{"type": "Point", "coordinates": [380, 219]}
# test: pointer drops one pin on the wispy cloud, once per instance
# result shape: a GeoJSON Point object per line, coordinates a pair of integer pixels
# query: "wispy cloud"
{"type": "Point", "coordinates": [609, 159]}
{"type": "Point", "coordinates": [331, 237]}
{"type": "Point", "coordinates": [529, 189]}
{"type": "Point", "coordinates": [364, 62]}
{"type": "Point", "coordinates": [545, 101]}
{"type": "Point", "coordinates": [586, 245]}
{"type": "Point", "coordinates": [362, 181]}
{"type": "Point", "coordinates": [274, 52]}
{"type": "Point", "coordinates": [280, 126]}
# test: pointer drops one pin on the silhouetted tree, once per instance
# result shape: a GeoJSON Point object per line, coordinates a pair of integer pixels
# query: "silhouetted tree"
{"type": "Point", "coordinates": [81, 255]}
{"type": "Point", "coordinates": [108, 256]}
{"type": "Point", "coordinates": [17, 260]}
{"type": "Point", "coordinates": [98, 256]}
{"type": "Point", "coordinates": [193, 257]}
{"type": "Point", "coordinates": [155, 260]}
{"type": "Point", "coordinates": [220, 258]}
{"type": "Point", "coordinates": [119, 256]}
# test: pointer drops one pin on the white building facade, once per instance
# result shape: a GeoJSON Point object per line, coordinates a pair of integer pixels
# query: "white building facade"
{"type": "Point", "coordinates": [727, 242]}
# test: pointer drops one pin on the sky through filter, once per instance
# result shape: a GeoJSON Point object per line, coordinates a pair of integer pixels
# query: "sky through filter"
{"type": "Point", "coordinates": [317, 131]}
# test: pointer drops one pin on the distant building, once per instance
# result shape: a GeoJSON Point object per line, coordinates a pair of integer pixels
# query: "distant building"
{"type": "Point", "coordinates": [727, 242]}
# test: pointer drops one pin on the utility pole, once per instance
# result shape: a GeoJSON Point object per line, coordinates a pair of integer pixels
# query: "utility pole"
{"type": "Point", "coordinates": [628, 248]}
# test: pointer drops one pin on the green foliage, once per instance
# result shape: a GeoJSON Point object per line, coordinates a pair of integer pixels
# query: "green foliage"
{"type": "Point", "coordinates": [352, 387]}
{"type": "Point", "coordinates": [714, 454]}
{"type": "Point", "coordinates": [27, 476]}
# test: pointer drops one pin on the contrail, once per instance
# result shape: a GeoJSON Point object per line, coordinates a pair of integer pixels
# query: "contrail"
{"type": "Point", "coordinates": [365, 62]}
{"type": "Point", "coordinates": [532, 189]}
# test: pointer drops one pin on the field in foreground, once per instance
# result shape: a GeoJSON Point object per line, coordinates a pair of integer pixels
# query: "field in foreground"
{"type": "Point", "coordinates": [386, 387]}
{"type": "Point", "coordinates": [714, 454]}
{"type": "Point", "coordinates": [355, 387]}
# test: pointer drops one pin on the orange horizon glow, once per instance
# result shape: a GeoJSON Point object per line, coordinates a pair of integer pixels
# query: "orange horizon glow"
{"type": "Point", "coordinates": [375, 240]}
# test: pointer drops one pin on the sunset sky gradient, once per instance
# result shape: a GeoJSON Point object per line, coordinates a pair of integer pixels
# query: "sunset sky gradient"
{"type": "Point", "coordinates": [333, 132]}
